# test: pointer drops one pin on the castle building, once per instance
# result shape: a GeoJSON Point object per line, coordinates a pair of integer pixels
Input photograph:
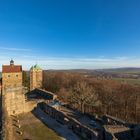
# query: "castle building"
{"type": "Point", "coordinates": [12, 89]}
{"type": "Point", "coordinates": [11, 76]}
{"type": "Point", "coordinates": [36, 77]}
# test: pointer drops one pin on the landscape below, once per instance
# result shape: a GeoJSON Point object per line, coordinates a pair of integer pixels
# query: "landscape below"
{"type": "Point", "coordinates": [88, 93]}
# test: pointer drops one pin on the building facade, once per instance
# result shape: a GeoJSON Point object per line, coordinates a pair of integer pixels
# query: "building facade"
{"type": "Point", "coordinates": [36, 77]}
{"type": "Point", "coordinates": [12, 89]}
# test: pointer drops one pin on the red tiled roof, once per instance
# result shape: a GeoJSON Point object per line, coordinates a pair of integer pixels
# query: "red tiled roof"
{"type": "Point", "coordinates": [11, 68]}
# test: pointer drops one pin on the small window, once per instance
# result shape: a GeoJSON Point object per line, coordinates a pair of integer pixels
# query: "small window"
{"type": "Point", "coordinates": [16, 75]}
{"type": "Point", "coordinates": [8, 75]}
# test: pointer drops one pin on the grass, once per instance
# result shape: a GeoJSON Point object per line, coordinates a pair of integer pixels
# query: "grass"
{"type": "Point", "coordinates": [33, 129]}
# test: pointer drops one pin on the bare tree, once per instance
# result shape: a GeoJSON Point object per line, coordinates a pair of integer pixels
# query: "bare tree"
{"type": "Point", "coordinates": [83, 94]}
{"type": "Point", "coordinates": [63, 94]}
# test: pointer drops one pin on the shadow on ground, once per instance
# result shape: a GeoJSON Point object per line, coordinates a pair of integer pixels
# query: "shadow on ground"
{"type": "Point", "coordinates": [60, 129]}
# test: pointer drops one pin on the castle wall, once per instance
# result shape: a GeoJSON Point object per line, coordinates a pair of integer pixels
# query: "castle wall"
{"type": "Point", "coordinates": [72, 123]}
{"type": "Point", "coordinates": [12, 92]}
{"type": "Point", "coordinates": [32, 80]}
{"type": "Point", "coordinates": [11, 80]}
{"type": "Point", "coordinates": [14, 102]}
{"type": "Point", "coordinates": [29, 106]}
{"type": "Point", "coordinates": [39, 96]}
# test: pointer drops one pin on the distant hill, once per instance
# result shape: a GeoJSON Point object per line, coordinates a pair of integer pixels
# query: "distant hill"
{"type": "Point", "coordinates": [131, 73]}
{"type": "Point", "coordinates": [111, 70]}
{"type": "Point", "coordinates": [121, 70]}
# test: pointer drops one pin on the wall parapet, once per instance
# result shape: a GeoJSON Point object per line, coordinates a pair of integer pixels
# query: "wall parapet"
{"type": "Point", "coordinates": [77, 127]}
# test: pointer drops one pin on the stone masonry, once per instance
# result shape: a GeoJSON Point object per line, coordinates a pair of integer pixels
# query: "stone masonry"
{"type": "Point", "coordinates": [12, 90]}
{"type": "Point", "coordinates": [35, 77]}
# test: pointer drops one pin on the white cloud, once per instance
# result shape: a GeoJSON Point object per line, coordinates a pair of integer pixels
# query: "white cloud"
{"type": "Point", "coordinates": [14, 49]}
{"type": "Point", "coordinates": [73, 63]}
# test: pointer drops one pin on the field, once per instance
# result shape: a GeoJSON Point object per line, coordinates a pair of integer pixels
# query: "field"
{"type": "Point", "coordinates": [128, 80]}
{"type": "Point", "coordinates": [124, 75]}
{"type": "Point", "coordinates": [34, 129]}
{"type": "Point", "coordinates": [122, 70]}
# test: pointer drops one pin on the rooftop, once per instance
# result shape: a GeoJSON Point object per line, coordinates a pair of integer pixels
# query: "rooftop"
{"type": "Point", "coordinates": [11, 68]}
{"type": "Point", "coordinates": [35, 67]}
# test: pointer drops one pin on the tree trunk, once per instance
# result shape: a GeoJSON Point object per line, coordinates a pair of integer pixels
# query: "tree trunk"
{"type": "Point", "coordinates": [82, 108]}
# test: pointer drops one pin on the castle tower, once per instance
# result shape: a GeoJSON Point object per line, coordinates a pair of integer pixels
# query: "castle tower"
{"type": "Point", "coordinates": [12, 90]}
{"type": "Point", "coordinates": [36, 77]}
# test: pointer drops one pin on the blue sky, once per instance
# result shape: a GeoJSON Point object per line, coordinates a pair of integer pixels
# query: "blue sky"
{"type": "Point", "coordinates": [66, 34]}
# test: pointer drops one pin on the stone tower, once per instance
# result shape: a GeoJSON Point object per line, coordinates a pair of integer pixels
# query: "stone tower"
{"type": "Point", "coordinates": [12, 90]}
{"type": "Point", "coordinates": [36, 77]}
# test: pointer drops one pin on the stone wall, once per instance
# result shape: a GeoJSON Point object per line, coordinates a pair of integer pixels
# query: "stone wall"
{"type": "Point", "coordinates": [36, 77]}
{"type": "Point", "coordinates": [137, 132]}
{"type": "Point", "coordinates": [14, 101]}
{"type": "Point", "coordinates": [113, 120]}
{"type": "Point", "coordinates": [11, 80]}
{"type": "Point", "coordinates": [76, 126]}
{"type": "Point", "coordinates": [120, 129]}
{"type": "Point", "coordinates": [12, 92]}
{"type": "Point", "coordinates": [132, 131]}
{"type": "Point", "coordinates": [29, 106]}
{"type": "Point", "coordinates": [45, 94]}
{"type": "Point", "coordinates": [125, 135]}
{"type": "Point", "coordinates": [37, 96]}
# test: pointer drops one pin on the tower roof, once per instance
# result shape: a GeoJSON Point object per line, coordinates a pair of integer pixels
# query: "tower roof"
{"type": "Point", "coordinates": [12, 62]}
{"type": "Point", "coordinates": [11, 68]}
{"type": "Point", "coordinates": [35, 67]}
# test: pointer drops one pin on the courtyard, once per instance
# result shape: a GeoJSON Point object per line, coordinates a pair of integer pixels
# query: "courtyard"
{"type": "Point", "coordinates": [32, 129]}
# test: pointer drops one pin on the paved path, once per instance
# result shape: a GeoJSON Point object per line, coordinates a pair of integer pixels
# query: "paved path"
{"type": "Point", "coordinates": [62, 130]}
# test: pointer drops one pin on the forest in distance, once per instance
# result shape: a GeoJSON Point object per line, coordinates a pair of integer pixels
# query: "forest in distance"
{"type": "Point", "coordinates": [94, 95]}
